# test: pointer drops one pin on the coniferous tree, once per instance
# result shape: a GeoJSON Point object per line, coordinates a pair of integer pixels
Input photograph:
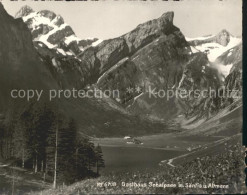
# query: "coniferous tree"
{"type": "Point", "coordinates": [90, 156]}
{"type": "Point", "coordinates": [1, 139]}
{"type": "Point", "coordinates": [99, 158]}
{"type": "Point", "coordinates": [81, 159]}
{"type": "Point", "coordinates": [67, 148]}
{"type": "Point", "coordinates": [28, 117]}
{"type": "Point", "coordinates": [19, 143]}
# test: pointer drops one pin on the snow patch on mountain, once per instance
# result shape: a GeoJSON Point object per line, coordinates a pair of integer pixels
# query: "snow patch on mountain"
{"type": "Point", "coordinates": [61, 51]}
{"type": "Point", "coordinates": [94, 44]}
{"type": "Point", "coordinates": [50, 29]}
{"type": "Point", "coordinates": [230, 53]}
{"type": "Point", "coordinates": [70, 39]}
{"type": "Point", "coordinates": [225, 69]}
{"type": "Point", "coordinates": [219, 49]}
{"type": "Point", "coordinates": [199, 38]}
{"type": "Point", "coordinates": [35, 19]}
{"type": "Point", "coordinates": [31, 15]}
{"type": "Point", "coordinates": [44, 38]}
{"type": "Point", "coordinates": [213, 49]}
{"type": "Point", "coordinates": [194, 50]}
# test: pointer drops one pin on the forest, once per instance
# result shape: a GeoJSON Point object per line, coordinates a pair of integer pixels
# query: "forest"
{"type": "Point", "coordinates": [44, 140]}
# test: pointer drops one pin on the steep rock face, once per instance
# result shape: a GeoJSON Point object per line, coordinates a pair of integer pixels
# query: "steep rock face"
{"type": "Point", "coordinates": [227, 95]}
{"type": "Point", "coordinates": [148, 31]}
{"type": "Point", "coordinates": [18, 59]}
{"type": "Point", "coordinates": [56, 37]}
{"type": "Point", "coordinates": [229, 60]}
{"type": "Point", "coordinates": [180, 81]}
{"type": "Point", "coordinates": [105, 55]}
{"type": "Point", "coordinates": [233, 81]}
{"type": "Point", "coordinates": [231, 56]}
{"type": "Point", "coordinates": [198, 76]}
{"type": "Point", "coordinates": [68, 71]}
{"type": "Point", "coordinates": [49, 28]}
{"type": "Point", "coordinates": [110, 52]}
{"type": "Point", "coordinates": [161, 60]}
{"type": "Point", "coordinates": [48, 14]}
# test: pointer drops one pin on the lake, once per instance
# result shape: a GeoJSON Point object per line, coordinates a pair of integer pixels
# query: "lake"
{"type": "Point", "coordinates": [118, 159]}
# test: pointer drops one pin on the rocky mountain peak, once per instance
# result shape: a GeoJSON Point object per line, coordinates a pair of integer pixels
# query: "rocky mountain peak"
{"type": "Point", "coordinates": [223, 37]}
{"type": "Point", "coordinates": [24, 11]}
{"type": "Point", "coordinates": [146, 32]}
{"type": "Point", "coordinates": [50, 29]}
{"type": "Point", "coordinates": [224, 31]}
{"type": "Point", "coordinates": [168, 16]}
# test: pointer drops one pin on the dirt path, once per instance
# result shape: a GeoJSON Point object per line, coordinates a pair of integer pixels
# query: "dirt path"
{"type": "Point", "coordinates": [204, 149]}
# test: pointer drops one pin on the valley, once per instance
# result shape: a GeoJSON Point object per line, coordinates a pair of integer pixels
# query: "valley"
{"type": "Point", "coordinates": [158, 149]}
{"type": "Point", "coordinates": [173, 148]}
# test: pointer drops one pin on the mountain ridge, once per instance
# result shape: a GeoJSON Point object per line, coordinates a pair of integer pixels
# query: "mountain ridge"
{"type": "Point", "coordinates": [154, 54]}
{"type": "Point", "coordinates": [121, 56]}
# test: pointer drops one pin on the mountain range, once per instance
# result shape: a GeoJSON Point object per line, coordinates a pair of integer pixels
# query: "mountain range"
{"type": "Point", "coordinates": [39, 50]}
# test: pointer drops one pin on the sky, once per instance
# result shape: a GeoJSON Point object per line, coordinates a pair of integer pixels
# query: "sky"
{"type": "Point", "coordinates": [109, 19]}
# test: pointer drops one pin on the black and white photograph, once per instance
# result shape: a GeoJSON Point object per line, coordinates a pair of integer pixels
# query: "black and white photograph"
{"type": "Point", "coordinates": [121, 97]}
